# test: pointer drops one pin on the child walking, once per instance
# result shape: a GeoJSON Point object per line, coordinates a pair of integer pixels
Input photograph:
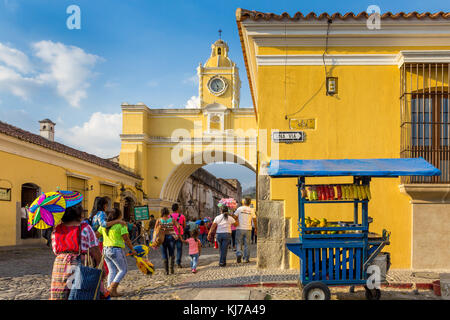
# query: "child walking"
{"type": "Point", "coordinates": [195, 248]}
{"type": "Point", "coordinates": [114, 239]}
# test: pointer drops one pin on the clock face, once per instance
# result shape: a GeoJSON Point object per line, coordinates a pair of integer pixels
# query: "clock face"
{"type": "Point", "coordinates": [217, 85]}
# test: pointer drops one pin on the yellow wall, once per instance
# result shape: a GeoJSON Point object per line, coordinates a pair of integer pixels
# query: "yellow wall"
{"type": "Point", "coordinates": [17, 170]}
{"type": "Point", "coordinates": [159, 154]}
{"type": "Point", "coordinates": [361, 121]}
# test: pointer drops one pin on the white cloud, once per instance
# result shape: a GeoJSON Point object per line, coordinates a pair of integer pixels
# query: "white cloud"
{"type": "Point", "coordinates": [14, 58]}
{"type": "Point", "coordinates": [192, 80]}
{"type": "Point", "coordinates": [99, 135]}
{"type": "Point", "coordinates": [68, 67]}
{"type": "Point", "coordinates": [14, 72]}
{"type": "Point", "coordinates": [13, 82]}
{"type": "Point", "coordinates": [193, 103]}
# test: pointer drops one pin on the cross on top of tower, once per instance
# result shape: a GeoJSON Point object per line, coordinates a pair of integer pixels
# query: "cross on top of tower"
{"type": "Point", "coordinates": [220, 34]}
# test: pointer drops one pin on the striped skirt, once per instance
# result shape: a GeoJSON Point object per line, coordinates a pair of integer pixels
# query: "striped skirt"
{"type": "Point", "coordinates": [63, 268]}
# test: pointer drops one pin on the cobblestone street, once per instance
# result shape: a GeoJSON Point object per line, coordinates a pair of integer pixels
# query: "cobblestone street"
{"type": "Point", "coordinates": [26, 274]}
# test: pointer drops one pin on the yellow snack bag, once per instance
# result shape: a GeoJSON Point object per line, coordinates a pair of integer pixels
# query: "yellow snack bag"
{"type": "Point", "coordinates": [335, 192]}
{"type": "Point", "coordinates": [363, 192]}
{"type": "Point", "coordinates": [350, 193]}
{"type": "Point", "coordinates": [360, 194]}
{"type": "Point", "coordinates": [308, 193]}
{"type": "Point", "coordinates": [355, 192]}
{"type": "Point", "coordinates": [367, 188]}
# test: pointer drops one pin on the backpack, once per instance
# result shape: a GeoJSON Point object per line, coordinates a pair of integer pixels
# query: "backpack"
{"type": "Point", "coordinates": [181, 231]}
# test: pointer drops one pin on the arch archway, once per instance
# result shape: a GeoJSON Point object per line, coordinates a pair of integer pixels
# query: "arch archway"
{"type": "Point", "coordinates": [174, 182]}
{"type": "Point", "coordinates": [29, 192]}
{"type": "Point", "coordinates": [128, 209]}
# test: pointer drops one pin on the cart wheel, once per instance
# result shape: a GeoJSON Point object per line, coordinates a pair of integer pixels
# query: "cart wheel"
{"type": "Point", "coordinates": [316, 291]}
{"type": "Point", "coordinates": [372, 294]}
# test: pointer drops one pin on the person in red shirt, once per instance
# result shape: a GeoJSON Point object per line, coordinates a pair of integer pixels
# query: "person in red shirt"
{"type": "Point", "coordinates": [181, 219]}
{"type": "Point", "coordinates": [203, 229]}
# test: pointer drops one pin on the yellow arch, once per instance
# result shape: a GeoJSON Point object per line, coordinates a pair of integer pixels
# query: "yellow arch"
{"type": "Point", "coordinates": [174, 182]}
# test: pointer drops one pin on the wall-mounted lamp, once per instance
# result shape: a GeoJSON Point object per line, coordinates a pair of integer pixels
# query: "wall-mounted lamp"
{"type": "Point", "coordinates": [332, 86]}
{"type": "Point", "coordinates": [138, 187]}
{"type": "Point", "coordinates": [122, 190]}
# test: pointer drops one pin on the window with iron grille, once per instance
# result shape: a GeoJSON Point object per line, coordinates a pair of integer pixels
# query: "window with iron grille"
{"type": "Point", "coordinates": [425, 127]}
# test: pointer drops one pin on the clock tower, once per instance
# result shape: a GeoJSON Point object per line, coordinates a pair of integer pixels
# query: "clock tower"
{"type": "Point", "coordinates": [219, 81]}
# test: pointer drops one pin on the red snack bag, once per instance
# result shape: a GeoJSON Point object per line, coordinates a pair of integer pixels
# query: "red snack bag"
{"type": "Point", "coordinates": [324, 193]}
{"type": "Point", "coordinates": [331, 190]}
{"type": "Point", "coordinates": [327, 193]}
{"type": "Point", "coordinates": [339, 192]}
{"type": "Point", "coordinates": [319, 192]}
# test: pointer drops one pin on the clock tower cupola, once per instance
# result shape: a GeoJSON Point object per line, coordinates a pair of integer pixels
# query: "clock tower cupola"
{"type": "Point", "coordinates": [219, 81]}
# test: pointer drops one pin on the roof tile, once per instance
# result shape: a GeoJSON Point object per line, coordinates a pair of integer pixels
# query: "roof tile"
{"type": "Point", "coordinates": [27, 136]}
{"type": "Point", "coordinates": [243, 14]}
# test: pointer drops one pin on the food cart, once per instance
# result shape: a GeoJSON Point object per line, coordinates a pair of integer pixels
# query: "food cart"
{"type": "Point", "coordinates": [340, 252]}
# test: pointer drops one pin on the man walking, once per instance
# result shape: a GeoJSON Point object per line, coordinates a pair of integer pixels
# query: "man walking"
{"type": "Point", "coordinates": [246, 216]}
{"type": "Point", "coordinates": [178, 217]}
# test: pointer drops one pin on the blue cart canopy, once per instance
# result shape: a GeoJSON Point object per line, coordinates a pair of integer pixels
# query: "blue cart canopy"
{"type": "Point", "coordinates": [352, 167]}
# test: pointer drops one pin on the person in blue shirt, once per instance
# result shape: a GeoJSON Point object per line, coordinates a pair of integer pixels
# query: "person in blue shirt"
{"type": "Point", "coordinates": [97, 217]}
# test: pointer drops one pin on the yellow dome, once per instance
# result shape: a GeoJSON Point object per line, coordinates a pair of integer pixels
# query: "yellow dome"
{"type": "Point", "coordinates": [218, 61]}
{"type": "Point", "coordinates": [219, 55]}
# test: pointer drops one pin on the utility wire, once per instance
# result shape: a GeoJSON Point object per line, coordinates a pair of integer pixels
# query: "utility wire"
{"type": "Point", "coordinates": [330, 21]}
{"type": "Point", "coordinates": [285, 71]}
{"type": "Point", "coordinates": [326, 47]}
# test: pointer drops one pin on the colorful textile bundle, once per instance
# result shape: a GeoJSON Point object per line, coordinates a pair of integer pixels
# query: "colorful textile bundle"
{"type": "Point", "coordinates": [72, 197]}
{"type": "Point", "coordinates": [141, 250]}
{"type": "Point", "coordinates": [47, 210]}
{"type": "Point", "coordinates": [144, 265]}
{"type": "Point", "coordinates": [229, 202]}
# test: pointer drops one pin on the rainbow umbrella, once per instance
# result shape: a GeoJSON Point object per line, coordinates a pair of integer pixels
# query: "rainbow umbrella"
{"type": "Point", "coordinates": [46, 210]}
{"type": "Point", "coordinates": [72, 197]}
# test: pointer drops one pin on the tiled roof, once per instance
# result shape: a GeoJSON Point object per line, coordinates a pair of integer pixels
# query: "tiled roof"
{"type": "Point", "coordinates": [27, 136]}
{"type": "Point", "coordinates": [243, 14]}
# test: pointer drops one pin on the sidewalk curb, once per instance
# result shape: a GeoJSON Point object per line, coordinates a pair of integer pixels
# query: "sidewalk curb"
{"type": "Point", "coordinates": [419, 286]}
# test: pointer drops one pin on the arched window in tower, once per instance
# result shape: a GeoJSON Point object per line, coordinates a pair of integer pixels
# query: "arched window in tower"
{"type": "Point", "coordinates": [219, 51]}
{"type": "Point", "coordinates": [215, 122]}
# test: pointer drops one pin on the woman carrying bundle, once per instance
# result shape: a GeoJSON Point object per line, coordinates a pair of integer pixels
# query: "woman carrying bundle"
{"type": "Point", "coordinates": [222, 226]}
{"type": "Point", "coordinates": [71, 240]}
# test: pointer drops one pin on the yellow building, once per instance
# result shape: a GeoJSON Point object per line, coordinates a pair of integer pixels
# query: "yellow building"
{"type": "Point", "coordinates": [31, 164]}
{"type": "Point", "coordinates": [386, 96]}
{"type": "Point", "coordinates": [165, 146]}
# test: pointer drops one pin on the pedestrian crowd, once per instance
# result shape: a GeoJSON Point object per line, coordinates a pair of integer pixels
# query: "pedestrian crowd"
{"type": "Point", "coordinates": [100, 242]}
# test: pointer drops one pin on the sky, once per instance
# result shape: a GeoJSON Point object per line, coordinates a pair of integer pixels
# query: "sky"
{"type": "Point", "coordinates": [126, 51]}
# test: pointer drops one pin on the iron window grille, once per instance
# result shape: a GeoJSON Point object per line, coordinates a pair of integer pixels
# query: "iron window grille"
{"type": "Point", "coordinates": [425, 119]}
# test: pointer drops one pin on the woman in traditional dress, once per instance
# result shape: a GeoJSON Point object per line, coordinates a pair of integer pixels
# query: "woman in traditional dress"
{"type": "Point", "coordinates": [71, 239]}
